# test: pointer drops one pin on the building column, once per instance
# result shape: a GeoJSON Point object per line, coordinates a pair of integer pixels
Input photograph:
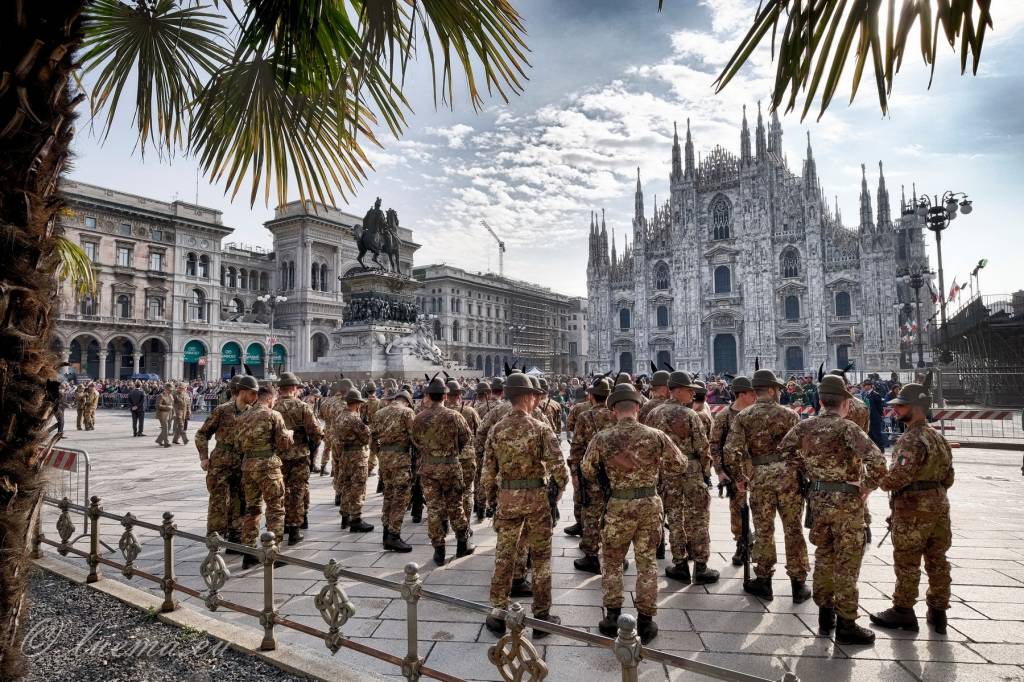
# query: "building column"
{"type": "Point", "coordinates": [174, 368]}
{"type": "Point", "coordinates": [102, 371]}
{"type": "Point", "coordinates": [136, 359]}
{"type": "Point", "coordinates": [117, 365]}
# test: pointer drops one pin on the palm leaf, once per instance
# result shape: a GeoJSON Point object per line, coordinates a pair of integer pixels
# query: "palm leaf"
{"type": "Point", "coordinates": [74, 267]}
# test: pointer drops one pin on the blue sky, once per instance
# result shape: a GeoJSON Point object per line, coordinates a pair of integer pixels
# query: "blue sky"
{"type": "Point", "coordinates": [607, 81]}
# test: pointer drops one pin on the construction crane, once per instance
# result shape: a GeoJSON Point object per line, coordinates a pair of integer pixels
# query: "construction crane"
{"type": "Point", "coordinates": [501, 248]}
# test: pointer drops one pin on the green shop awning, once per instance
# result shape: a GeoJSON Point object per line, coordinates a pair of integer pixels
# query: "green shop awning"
{"type": "Point", "coordinates": [231, 354]}
{"type": "Point", "coordinates": [254, 354]}
{"type": "Point", "coordinates": [278, 355]}
{"type": "Point", "coordinates": [193, 351]}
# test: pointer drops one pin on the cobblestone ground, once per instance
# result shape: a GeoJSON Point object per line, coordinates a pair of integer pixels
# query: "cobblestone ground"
{"type": "Point", "coordinates": [717, 623]}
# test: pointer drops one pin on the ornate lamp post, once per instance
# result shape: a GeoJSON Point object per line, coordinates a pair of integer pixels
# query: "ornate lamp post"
{"type": "Point", "coordinates": [916, 279]}
{"type": "Point", "coordinates": [272, 301]}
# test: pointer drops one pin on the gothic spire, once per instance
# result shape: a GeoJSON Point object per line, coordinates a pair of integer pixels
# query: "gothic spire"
{"type": "Point", "coordinates": [883, 200]}
{"type": "Point", "coordinates": [775, 134]}
{"type": "Point", "coordinates": [689, 171]}
{"type": "Point", "coordinates": [865, 200]}
{"type": "Point", "coordinates": [759, 136]}
{"type": "Point", "coordinates": [614, 259]}
{"type": "Point", "coordinates": [638, 200]}
{"type": "Point", "coordinates": [677, 160]}
{"type": "Point", "coordinates": [745, 157]}
{"type": "Point", "coordinates": [810, 168]}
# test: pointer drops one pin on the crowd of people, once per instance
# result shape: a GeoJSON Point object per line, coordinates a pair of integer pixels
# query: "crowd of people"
{"type": "Point", "coordinates": [641, 456]}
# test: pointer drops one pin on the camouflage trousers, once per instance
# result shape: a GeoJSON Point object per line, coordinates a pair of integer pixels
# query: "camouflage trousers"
{"type": "Point", "coordinates": [577, 503]}
{"type": "Point", "coordinates": [263, 485]}
{"type": "Point", "coordinates": [162, 438]}
{"type": "Point", "coordinates": [837, 533]}
{"type": "Point", "coordinates": [468, 476]}
{"type": "Point", "coordinates": [479, 495]}
{"type": "Point", "coordinates": [671, 490]}
{"type": "Point", "coordinates": [444, 501]}
{"type": "Point", "coordinates": [296, 485]}
{"type": "Point", "coordinates": [636, 523]}
{"type": "Point", "coordinates": [774, 492]}
{"type": "Point", "coordinates": [396, 472]}
{"type": "Point", "coordinates": [351, 482]}
{"type": "Point", "coordinates": [593, 514]}
{"type": "Point", "coordinates": [689, 516]}
{"type": "Point", "coordinates": [533, 530]}
{"type": "Point", "coordinates": [79, 417]}
{"type": "Point", "coordinates": [736, 503]}
{"type": "Point", "coordinates": [226, 504]}
{"type": "Point", "coordinates": [921, 529]}
{"type": "Point", "coordinates": [89, 418]}
{"type": "Point", "coordinates": [180, 429]}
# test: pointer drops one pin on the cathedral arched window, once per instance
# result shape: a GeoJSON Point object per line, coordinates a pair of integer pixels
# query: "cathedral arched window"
{"type": "Point", "coordinates": [291, 274]}
{"type": "Point", "coordinates": [624, 318]}
{"type": "Point", "coordinates": [314, 277]}
{"type": "Point", "coordinates": [790, 262]}
{"type": "Point", "coordinates": [720, 217]}
{"type": "Point", "coordinates": [842, 304]}
{"type": "Point", "coordinates": [324, 284]}
{"type": "Point", "coordinates": [662, 315]}
{"type": "Point", "coordinates": [723, 279]}
{"type": "Point", "coordinates": [792, 308]}
{"type": "Point", "coordinates": [661, 276]}
{"type": "Point", "coordinates": [190, 265]}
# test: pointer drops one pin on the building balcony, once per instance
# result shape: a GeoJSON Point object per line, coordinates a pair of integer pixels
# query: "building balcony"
{"type": "Point", "coordinates": [157, 274]}
{"type": "Point", "coordinates": [124, 270]}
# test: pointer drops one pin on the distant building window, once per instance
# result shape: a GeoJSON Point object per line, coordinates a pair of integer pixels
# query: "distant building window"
{"type": "Point", "coordinates": [662, 316]}
{"type": "Point", "coordinates": [790, 263]}
{"type": "Point", "coordinates": [158, 235]}
{"type": "Point", "coordinates": [624, 318]}
{"type": "Point", "coordinates": [190, 265]}
{"type": "Point", "coordinates": [720, 220]}
{"type": "Point", "coordinates": [124, 307]}
{"type": "Point", "coordinates": [455, 330]}
{"type": "Point", "coordinates": [842, 304]}
{"type": "Point", "coordinates": [156, 308]}
{"type": "Point", "coordinates": [90, 222]}
{"type": "Point", "coordinates": [573, 348]}
{"type": "Point", "coordinates": [661, 277]}
{"type": "Point", "coordinates": [125, 229]}
{"type": "Point", "coordinates": [324, 282]}
{"type": "Point", "coordinates": [792, 308]}
{"type": "Point", "coordinates": [490, 338]}
{"type": "Point", "coordinates": [197, 306]}
{"type": "Point", "coordinates": [124, 256]}
{"type": "Point", "coordinates": [291, 275]}
{"type": "Point", "coordinates": [723, 280]}
{"type": "Point", "coordinates": [314, 277]}
{"type": "Point", "coordinates": [156, 261]}
{"type": "Point", "coordinates": [90, 249]}
{"type": "Point", "coordinates": [87, 306]}
{"type": "Point", "coordinates": [204, 266]}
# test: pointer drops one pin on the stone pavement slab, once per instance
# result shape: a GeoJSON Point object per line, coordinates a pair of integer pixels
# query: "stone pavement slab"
{"type": "Point", "coordinates": [714, 623]}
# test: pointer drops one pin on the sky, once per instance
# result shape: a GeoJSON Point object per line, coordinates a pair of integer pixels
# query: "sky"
{"type": "Point", "coordinates": [607, 82]}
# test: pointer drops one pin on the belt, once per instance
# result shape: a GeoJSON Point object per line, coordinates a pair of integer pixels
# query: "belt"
{"type": "Point", "coordinates": [431, 459]}
{"type": "Point", "coordinates": [833, 487]}
{"type": "Point", "coordinates": [393, 449]}
{"type": "Point", "coordinates": [918, 486]}
{"type": "Point", "coordinates": [767, 459]}
{"type": "Point", "coordinates": [523, 484]}
{"type": "Point", "coordinates": [261, 453]}
{"type": "Point", "coordinates": [635, 493]}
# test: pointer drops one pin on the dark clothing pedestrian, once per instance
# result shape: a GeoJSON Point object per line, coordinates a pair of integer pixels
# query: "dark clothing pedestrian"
{"type": "Point", "coordinates": [137, 405]}
{"type": "Point", "coordinates": [873, 399]}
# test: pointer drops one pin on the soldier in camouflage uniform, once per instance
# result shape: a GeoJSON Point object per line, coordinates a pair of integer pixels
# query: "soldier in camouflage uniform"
{"type": "Point", "coordinates": [551, 409]}
{"type": "Point", "coordinates": [261, 435]}
{"type": "Point", "coordinates": [919, 476]}
{"type": "Point", "coordinates": [468, 455]}
{"type": "Point", "coordinates": [704, 412]}
{"type": "Point", "coordinates": [744, 398]}
{"type": "Point", "coordinates": [752, 455]}
{"type": "Point", "coordinates": [79, 406]}
{"type": "Point", "coordinates": [295, 461]}
{"type": "Point", "coordinates": [860, 416]}
{"type": "Point", "coordinates": [440, 436]}
{"type": "Point", "coordinates": [581, 405]}
{"type": "Point", "coordinates": [687, 497]}
{"type": "Point", "coordinates": [91, 402]}
{"type": "Point", "coordinates": [482, 404]}
{"type": "Point", "coordinates": [590, 423]}
{"type": "Point", "coordinates": [390, 431]}
{"type": "Point", "coordinates": [660, 393]}
{"type": "Point", "coordinates": [842, 465]}
{"type": "Point", "coordinates": [164, 414]}
{"type": "Point", "coordinates": [632, 457]}
{"type": "Point", "coordinates": [329, 410]}
{"type": "Point", "coordinates": [520, 452]}
{"type": "Point", "coordinates": [224, 466]}
{"type": "Point", "coordinates": [182, 413]}
{"type": "Point", "coordinates": [350, 440]}
{"type": "Point", "coordinates": [370, 407]}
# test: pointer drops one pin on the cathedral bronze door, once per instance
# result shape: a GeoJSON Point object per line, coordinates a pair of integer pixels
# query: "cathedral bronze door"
{"type": "Point", "coordinates": [626, 362]}
{"type": "Point", "coordinates": [725, 354]}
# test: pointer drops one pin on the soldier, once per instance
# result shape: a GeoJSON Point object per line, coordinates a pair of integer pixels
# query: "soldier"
{"type": "Point", "coordinates": [592, 495]}
{"type": "Point", "coordinates": [92, 400]}
{"type": "Point", "coordinates": [482, 404]}
{"type": "Point", "coordinates": [700, 394]}
{"type": "Point", "coordinates": [224, 466]}
{"type": "Point", "coordinates": [371, 405]}
{"type": "Point", "coordinates": [468, 455]}
{"type": "Point", "coordinates": [551, 409]}
{"type": "Point", "coordinates": [182, 413]}
{"type": "Point", "coordinates": [79, 406]}
{"type": "Point", "coordinates": [329, 410]}
{"type": "Point", "coordinates": [631, 457]}
{"type": "Point", "coordinates": [390, 431]}
{"type": "Point", "coordinates": [689, 502]}
{"type": "Point", "coordinates": [439, 436]}
{"type": "Point", "coordinates": [860, 416]}
{"type": "Point", "coordinates": [164, 414]}
{"type": "Point", "coordinates": [295, 461]}
{"type": "Point", "coordinates": [842, 465]}
{"type": "Point", "coordinates": [520, 452]}
{"type": "Point", "coordinates": [581, 405]}
{"type": "Point", "coordinates": [752, 456]}
{"type": "Point", "coordinates": [497, 409]}
{"type": "Point", "coordinates": [261, 435]}
{"type": "Point", "coordinates": [659, 394]}
{"type": "Point", "coordinates": [350, 440]}
{"type": "Point", "coordinates": [744, 398]}
{"type": "Point", "coordinates": [920, 474]}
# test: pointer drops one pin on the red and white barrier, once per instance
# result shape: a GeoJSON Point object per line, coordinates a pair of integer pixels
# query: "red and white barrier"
{"type": "Point", "coordinates": [63, 459]}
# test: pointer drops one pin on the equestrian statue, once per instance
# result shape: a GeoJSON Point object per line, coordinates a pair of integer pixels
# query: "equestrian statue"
{"type": "Point", "coordinates": [379, 234]}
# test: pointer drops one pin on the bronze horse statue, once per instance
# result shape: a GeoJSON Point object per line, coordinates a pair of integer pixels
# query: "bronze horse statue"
{"type": "Point", "coordinates": [379, 234]}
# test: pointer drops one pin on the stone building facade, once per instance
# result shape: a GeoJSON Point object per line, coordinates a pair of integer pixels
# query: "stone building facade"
{"type": "Point", "coordinates": [747, 260]}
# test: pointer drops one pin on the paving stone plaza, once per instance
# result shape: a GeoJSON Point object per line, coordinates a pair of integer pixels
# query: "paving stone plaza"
{"type": "Point", "coordinates": [716, 623]}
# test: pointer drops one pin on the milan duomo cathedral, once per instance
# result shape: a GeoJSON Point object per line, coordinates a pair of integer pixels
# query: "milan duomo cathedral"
{"type": "Point", "coordinates": [747, 260]}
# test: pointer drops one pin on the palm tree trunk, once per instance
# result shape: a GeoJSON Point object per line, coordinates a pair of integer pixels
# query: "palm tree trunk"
{"type": "Point", "coordinates": [36, 126]}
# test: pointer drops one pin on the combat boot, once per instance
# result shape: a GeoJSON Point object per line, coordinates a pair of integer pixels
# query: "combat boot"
{"type": "Point", "coordinates": [464, 548]}
{"type": "Point", "coordinates": [248, 561]}
{"type": "Point", "coordinates": [439, 555]}
{"type": "Point", "coordinates": [680, 572]}
{"type": "Point", "coordinates": [294, 536]}
{"type": "Point", "coordinates": [344, 521]}
{"type": "Point", "coordinates": [848, 632]}
{"type": "Point", "coordinates": [574, 530]}
{"type": "Point", "coordinates": [759, 587]}
{"type": "Point", "coordinates": [395, 543]}
{"type": "Point", "coordinates": [521, 587]}
{"type": "Point", "coordinates": [702, 575]}
{"type": "Point", "coordinates": [867, 535]}
{"type": "Point", "coordinates": [445, 526]}
{"type": "Point", "coordinates": [479, 513]}
{"type": "Point", "coordinates": [417, 514]}
{"type": "Point", "coordinates": [233, 538]}
{"type": "Point", "coordinates": [800, 591]}
{"type": "Point", "coordinates": [646, 628]}
{"type": "Point", "coordinates": [588, 564]}
{"type": "Point", "coordinates": [609, 625]}
{"type": "Point", "coordinates": [337, 499]}
{"type": "Point", "coordinates": [495, 624]}
{"type": "Point", "coordinates": [937, 619]}
{"type": "Point", "coordinates": [359, 526]}
{"type": "Point", "coordinates": [380, 485]}
{"type": "Point", "coordinates": [826, 620]}
{"type": "Point", "coordinates": [897, 618]}
{"type": "Point", "coordinates": [659, 552]}
{"type": "Point", "coordinates": [541, 634]}
{"type": "Point", "coordinates": [305, 522]}
{"type": "Point", "coordinates": [740, 555]}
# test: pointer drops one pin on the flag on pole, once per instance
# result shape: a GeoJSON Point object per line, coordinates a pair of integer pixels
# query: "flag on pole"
{"type": "Point", "coordinates": [931, 290]}
{"type": "Point", "coordinates": [953, 290]}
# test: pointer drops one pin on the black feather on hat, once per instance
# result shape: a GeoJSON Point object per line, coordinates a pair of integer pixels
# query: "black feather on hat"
{"type": "Point", "coordinates": [849, 366]}
{"type": "Point", "coordinates": [508, 370]}
{"type": "Point", "coordinates": [654, 367]}
{"type": "Point", "coordinates": [757, 363]}
{"type": "Point", "coordinates": [728, 376]}
{"type": "Point", "coordinates": [670, 367]}
{"type": "Point", "coordinates": [821, 372]}
{"type": "Point", "coordinates": [928, 381]}
{"type": "Point", "coordinates": [446, 377]}
{"type": "Point", "coordinates": [232, 370]}
{"type": "Point", "coordinates": [247, 370]}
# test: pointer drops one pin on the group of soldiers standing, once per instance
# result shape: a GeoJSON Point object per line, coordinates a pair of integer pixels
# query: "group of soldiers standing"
{"type": "Point", "coordinates": [173, 411]}
{"type": "Point", "coordinates": [87, 399]}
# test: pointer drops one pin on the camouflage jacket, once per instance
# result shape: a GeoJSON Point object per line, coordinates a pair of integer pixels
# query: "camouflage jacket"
{"type": "Point", "coordinates": [330, 407]}
{"type": "Point", "coordinates": [832, 449]}
{"type": "Point", "coordinates": [706, 418]}
{"type": "Point", "coordinates": [391, 428]}
{"type": "Point", "coordinates": [757, 432]}
{"type": "Point", "coordinates": [921, 454]}
{"type": "Point", "coordinates": [260, 435]}
{"type": "Point", "coordinates": [720, 428]}
{"type": "Point", "coordinates": [482, 407]}
{"type": "Point", "coordinates": [553, 412]}
{"type": "Point", "coordinates": [574, 414]}
{"type": "Point", "coordinates": [349, 433]}
{"type": "Point", "coordinates": [306, 431]}
{"type": "Point", "coordinates": [589, 424]}
{"type": "Point", "coordinates": [519, 448]}
{"type": "Point", "coordinates": [80, 397]}
{"type": "Point", "coordinates": [685, 428]}
{"type": "Point", "coordinates": [859, 415]}
{"type": "Point", "coordinates": [472, 420]}
{"type": "Point", "coordinates": [165, 404]}
{"type": "Point", "coordinates": [632, 456]}
{"type": "Point", "coordinates": [92, 398]}
{"type": "Point", "coordinates": [438, 432]}
{"type": "Point", "coordinates": [369, 409]}
{"type": "Point", "coordinates": [648, 407]}
{"type": "Point", "coordinates": [182, 405]}
{"type": "Point", "coordinates": [221, 423]}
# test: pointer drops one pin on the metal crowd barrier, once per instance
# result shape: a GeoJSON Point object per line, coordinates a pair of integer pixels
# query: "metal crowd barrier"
{"type": "Point", "coordinates": [513, 654]}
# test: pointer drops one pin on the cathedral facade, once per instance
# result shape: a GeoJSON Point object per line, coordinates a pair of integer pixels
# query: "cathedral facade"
{"type": "Point", "coordinates": [746, 260]}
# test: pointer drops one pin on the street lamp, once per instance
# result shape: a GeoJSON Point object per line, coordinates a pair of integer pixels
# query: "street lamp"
{"type": "Point", "coordinates": [272, 301]}
{"type": "Point", "coordinates": [916, 279]}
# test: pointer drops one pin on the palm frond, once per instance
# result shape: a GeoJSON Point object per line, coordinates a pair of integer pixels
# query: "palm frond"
{"type": "Point", "coordinates": [74, 267]}
{"type": "Point", "coordinates": [822, 35]}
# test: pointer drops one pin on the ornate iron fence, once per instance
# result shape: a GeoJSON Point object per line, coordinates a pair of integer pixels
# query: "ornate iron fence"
{"type": "Point", "coordinates": [513, 654]}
